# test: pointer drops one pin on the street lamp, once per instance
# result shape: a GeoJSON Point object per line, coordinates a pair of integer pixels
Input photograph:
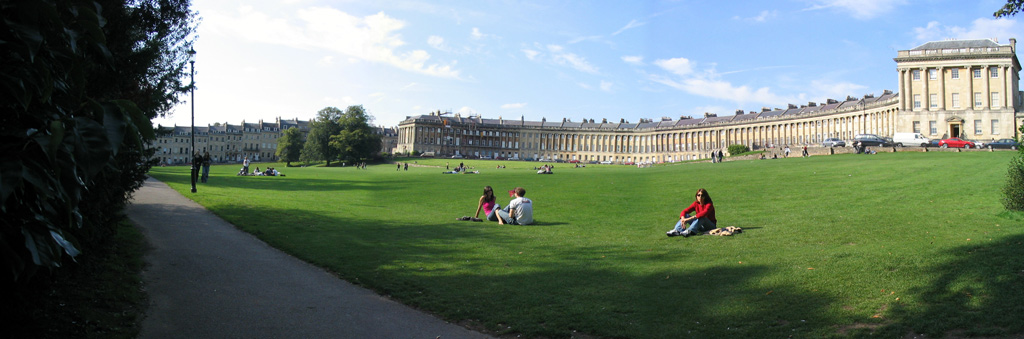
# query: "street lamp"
{"type": "Point", "coordinates": [192, 91]}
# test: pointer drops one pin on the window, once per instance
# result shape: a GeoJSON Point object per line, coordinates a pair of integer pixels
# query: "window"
{"type": "Point", "coordinates": [977, 127]}
{"type": "Point", "coordinates": [954, 73]}
{"type": "Point", "coordinates": [933, 100]}
{"type": "Point", "coordinates": [977, 99]}
{"type": "Point", "coordinates": [977, 73]}
{"type": "Point", "coordinates": [994, 71]}
{"type": "Point", "coordinates": [995, 100]}
{"type": "Point", "coordinates": [917, 127]}
{"type": "Point", "coordinates": [995, 126]}
{"type": "Point", "coordinates": [916, 74]}
{"type": "Point", "coordinates": [956, 100]}
{"type": "Point", "coordinates": [933, 74]}
{"type": "Point", "coordinates": [933, 127]}
{"type": "Point", "coordinates": [917, 101]}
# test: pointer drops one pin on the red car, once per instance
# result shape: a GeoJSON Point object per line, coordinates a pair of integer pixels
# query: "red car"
{"type": "Point", "coordinates": [955, 143]}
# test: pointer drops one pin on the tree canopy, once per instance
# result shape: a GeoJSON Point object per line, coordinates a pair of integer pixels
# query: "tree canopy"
{"type": "Point", "coordinates": [356, 140]}
{"type": "Point", "coordinates": [1011, 8]}
{"type": "Point", "coordinates": [289, 146]}
{"type": "Point", "coordinates": [317, 146]}
{"type": "Point", "coordinates": [80, 82]}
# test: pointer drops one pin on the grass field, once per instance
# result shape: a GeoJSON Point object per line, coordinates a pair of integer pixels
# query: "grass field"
{"type": "Point", "coordinates": [844, 245]}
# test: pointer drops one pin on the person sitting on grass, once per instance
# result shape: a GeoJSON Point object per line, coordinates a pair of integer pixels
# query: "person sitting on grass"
{"type": "Point", "coordinates": [702, 220]}
{"type": "Point", "coordinates": [487, 205]}
{"type": "Point", "coordinates": [518, 212]}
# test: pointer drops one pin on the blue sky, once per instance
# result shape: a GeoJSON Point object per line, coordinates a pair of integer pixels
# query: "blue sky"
{"type": "Point", "coordinates": [579, 60]}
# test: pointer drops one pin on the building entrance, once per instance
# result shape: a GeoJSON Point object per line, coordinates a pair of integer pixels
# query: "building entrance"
{"type": "Point", "coordinates": [954, 130]}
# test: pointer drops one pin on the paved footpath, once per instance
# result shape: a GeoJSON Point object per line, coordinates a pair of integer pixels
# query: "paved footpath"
{"type": "Point", "coordinates": [207, 279]}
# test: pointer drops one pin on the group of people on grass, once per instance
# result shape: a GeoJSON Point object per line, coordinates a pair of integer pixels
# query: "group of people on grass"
{"type": "Point", "coordinates": [519, 211]}
{"type": "Point", "coordinates": [695, 219]}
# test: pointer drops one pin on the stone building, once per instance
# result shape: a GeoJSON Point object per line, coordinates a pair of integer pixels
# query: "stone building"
{"type": "Point", "coordinates": [225, 142]}
{"type": "Point", "coordinates": [960, 88]}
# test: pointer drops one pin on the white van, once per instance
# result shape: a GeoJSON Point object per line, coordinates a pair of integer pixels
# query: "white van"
{"type": "Point", "coordinates": [910, 139]}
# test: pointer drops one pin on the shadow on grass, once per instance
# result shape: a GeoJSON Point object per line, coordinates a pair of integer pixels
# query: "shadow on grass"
{"type": "Point", "coordinates": [978, 294]}
{"type": "Point", "coordinates": [514, 285]}
{"type": "Point", "coordinates": [286, 183]}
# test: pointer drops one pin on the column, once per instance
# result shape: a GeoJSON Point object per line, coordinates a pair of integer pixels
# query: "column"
{"type": "Point", "coordinates": [925, 96]}
{"type": "Point", "coordinates": [970, 87]}
{"type": "Point", "coordinates": [986, 96]}
{"type": "Point", "coordinates": [942, 88]}
{"type": "Point", "coordinates": [902, 87]}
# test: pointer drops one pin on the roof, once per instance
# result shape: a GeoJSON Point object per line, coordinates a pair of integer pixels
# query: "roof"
{"type": "Point", "coordinates": [954, 44]}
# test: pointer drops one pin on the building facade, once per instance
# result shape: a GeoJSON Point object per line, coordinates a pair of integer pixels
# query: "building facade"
{"type": "Point", "coordinates": [947, 88]}
{"type": "Point", "coordinates": [225, 142]}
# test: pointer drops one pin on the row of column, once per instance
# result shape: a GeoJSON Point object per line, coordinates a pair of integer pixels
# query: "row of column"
{"type": "Point", "coordinates": [907, 90]}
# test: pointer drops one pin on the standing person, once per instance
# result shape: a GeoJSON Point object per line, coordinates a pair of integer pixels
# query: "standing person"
{"type": "Point", "coordinates": [702, 220]}
{"type": "Point", "coordinates": [398, 167]}
{"type": "Point", "coordinates": [406, 166]}
{"type": "Point", "coordinates": [487, 205]}
{"type": "Point", "coordinates": [206, 166]}
{"type": "Point", "coordinates": [197, 161]}
{"type": "Point", "coordinates": [787, 151]}
{"type": "Point", "coordinates": [805, 151]}
{"type": "Point", "coordinates": [518, 212]}
{"type": "Point", "coordinates": [245, 165]}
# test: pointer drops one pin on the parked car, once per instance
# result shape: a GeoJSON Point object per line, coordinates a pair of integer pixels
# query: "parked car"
{"type": "Point", "coordinates": [955, 143]}
{"type": "Point", "coordinates": [871, 140]}
{"type": "Point", "coordinates": [1007, 143]}
{"type": "Point", "coordinates": [910, 139]}
{"type": "Point", "coordinates": [457, 156]}
{"type": "Point", "coordinates": [833, 142]}
{"type": "Point", "coordinates": [977, 143]}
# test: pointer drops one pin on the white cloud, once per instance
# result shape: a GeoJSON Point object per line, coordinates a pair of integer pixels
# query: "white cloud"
{"type": "Point", "coordinates": [476, 35]}
{"type": "Point", "coordinates": [557, 55]}
{"type": "Point", "coordinates": [859, 9]}
{"type": "Point", "coordinates": [466, 110]}
{"type": "Point", "coordinates": [326, 61]}
{"type": "Point", "coordinates": [374, 38]}
{"type": "Point", "coordinates": [678, 66]}
{"type": "Point", "coordinates": [514, 105]}
{"type": "Point", "coordinates": [606, 86]}
{"type": "Point", "coordinates": [708, 84]}
{"type": "Point", "coordinates": [633, 59]}
{"type": "Point", "coordinates": [531, 54]}
{"type": "Point", "coordinates": [761, 17]}
{"type": "Point", "coordinates": [981, 28]}
{"type": "Point", "coordinates": [631, 24]}
{"type": "Point", "coordinates": [437, 42]}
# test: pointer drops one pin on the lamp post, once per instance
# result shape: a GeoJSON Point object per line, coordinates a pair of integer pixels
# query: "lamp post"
{"type": "Point", "coordinates": [192, 92]}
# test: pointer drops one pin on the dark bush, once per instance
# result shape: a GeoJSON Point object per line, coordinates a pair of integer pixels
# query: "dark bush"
{"type": "Point", "coordinates": [738, 149]}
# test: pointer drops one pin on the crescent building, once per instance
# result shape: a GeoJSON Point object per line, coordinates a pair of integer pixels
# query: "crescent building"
{"type": "Point", "coordinates": [964, 88]}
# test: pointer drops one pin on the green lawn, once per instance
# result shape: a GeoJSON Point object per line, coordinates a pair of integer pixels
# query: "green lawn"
{"type": "Point", "coordinates": [884, 244]}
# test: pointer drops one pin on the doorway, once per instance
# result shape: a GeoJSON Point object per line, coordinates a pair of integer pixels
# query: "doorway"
{"type": "Point", "coordinates": [954, 130]}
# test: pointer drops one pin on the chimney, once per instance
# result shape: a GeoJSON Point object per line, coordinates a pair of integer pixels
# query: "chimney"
{"type": "Point", "coordinates": [710, 115]}
{"type": "Point", "coordinates": [791, 106]}
{"type": "Point", "coordinates": [739, 112]}
{"type": "Point", "coordinates": [886, 92]}
{"type": "Point", "coordinates": [765, 109]}
{"type": "Point", "coordinates": [604, 121]}
{"type": "Point", "coordinates": [811, 104]}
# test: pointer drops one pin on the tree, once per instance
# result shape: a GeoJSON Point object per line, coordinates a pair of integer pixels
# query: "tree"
{"type": "Point", "coordinates": [289, 146]}
{"type": "Point", "coordinates": [1011, 8]}
{"type": "Point", "coordinates": [317, 146]}
{"type": "Point", "coordinates": [79, 85]}
{"type": "Point", "coordinates": [1013, 192]}
{"type": "Point", "coordinates": [357, 139]}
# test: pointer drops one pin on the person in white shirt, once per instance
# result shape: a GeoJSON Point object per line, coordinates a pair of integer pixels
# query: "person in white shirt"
{"type": "Point", "coordinates": [519, 211]}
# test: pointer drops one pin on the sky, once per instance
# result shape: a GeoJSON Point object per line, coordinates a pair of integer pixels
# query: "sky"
{"type": "Point", "coordinates": [533, 60]}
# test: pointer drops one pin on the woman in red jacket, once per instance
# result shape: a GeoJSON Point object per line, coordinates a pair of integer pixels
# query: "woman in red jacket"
{"type": "Point", "coordinates": [702, 220]}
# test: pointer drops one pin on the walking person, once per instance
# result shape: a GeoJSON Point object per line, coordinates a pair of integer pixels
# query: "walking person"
{"type": "Point", "coordinates": [206, 166]}
{"type": "Point", "coordinates": [702, 220]}
{"type": "Point", "coordinates": [245, 165]}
